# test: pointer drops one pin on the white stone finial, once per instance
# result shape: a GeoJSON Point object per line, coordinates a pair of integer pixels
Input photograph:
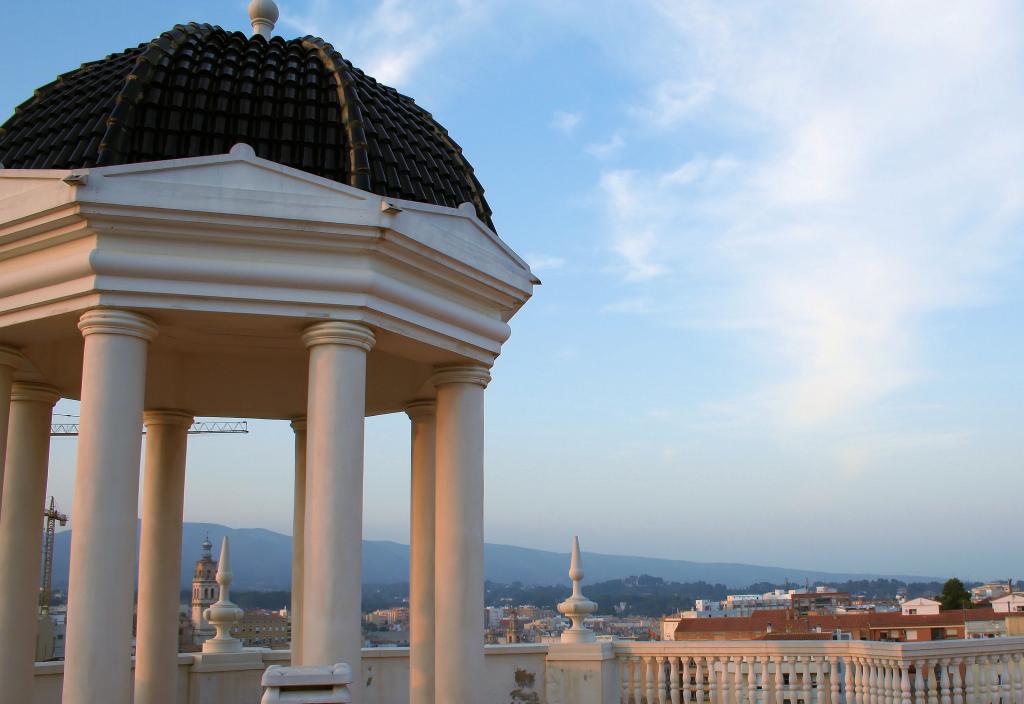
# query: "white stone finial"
{"type": "Point", "coordinates": [263, 15]}
{"type": "Point", "coordinates": [222, 614]}
{"type": "Point", "coordinates": [577, 607]}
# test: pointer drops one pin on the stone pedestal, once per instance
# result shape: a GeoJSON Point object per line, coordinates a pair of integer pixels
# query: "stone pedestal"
{"type": "Point", "coordinates": [581, 673]}
{"type": "Point", "coordinates": [307, 685]}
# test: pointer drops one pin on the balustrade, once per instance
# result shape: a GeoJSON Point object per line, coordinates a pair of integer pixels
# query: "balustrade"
{"type": "Point", "coordinates": [821, 672]}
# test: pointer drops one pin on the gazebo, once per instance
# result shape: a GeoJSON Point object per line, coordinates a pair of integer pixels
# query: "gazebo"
{"type": "Point", "coordinates": [218, 224]}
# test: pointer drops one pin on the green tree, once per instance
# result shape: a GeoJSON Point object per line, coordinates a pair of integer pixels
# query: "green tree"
{"type": "Point", "coordinates": [954, 595]}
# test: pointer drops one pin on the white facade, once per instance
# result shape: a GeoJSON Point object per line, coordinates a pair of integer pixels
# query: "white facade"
{"type": "Point", "coordinates": [1011, 603]}
{"type": "Point", "coordinates": [921, 606]}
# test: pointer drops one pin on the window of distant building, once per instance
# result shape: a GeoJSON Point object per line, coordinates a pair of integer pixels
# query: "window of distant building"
{"type": "Point", "coordinates": [912, 612]}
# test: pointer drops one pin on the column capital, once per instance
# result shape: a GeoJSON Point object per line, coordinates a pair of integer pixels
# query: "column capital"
{"type": "Point", "coordinates": [32, 391]}
{"type": "Point", "coordinates": [339, 332]}
{"type": "Point", "coordinates": [168, 417]}
{"type": "Point", "coordinates": [113, 321]}
{"type": "Point", "coordinates": [9, 357]}
{"type": "Point", "coordinates": [421, 408]}
{"type": "Point", "coordinates": [299, 424]}
{"type": "Point", "coordinates": [462, 374]}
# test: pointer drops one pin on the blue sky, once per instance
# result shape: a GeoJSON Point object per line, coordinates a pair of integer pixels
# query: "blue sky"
{"type": "Point", "coordinates": [781, 246]}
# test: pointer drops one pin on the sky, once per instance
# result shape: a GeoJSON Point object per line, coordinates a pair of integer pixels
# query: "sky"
{"type": "Point", "coordinates": [782, 255]}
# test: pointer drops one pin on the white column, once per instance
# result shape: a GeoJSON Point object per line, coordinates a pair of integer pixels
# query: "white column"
{"type": "Point", "coordinates": [298, 531]}
{"type": "Point", "coordinates": [459, 534]}
{"type": "Point", "coordinates": [97, 664]}
{"type": "Point", "coordinates": [10, 358]}
{"type": "Point", "coordinates": [20, 530]}
{"type": "Point", "coordinates": [332, 554]}
{"type": "Point", "coordinates": [163, 499]}
{"type": "Point", "coordinates": [421, 554]}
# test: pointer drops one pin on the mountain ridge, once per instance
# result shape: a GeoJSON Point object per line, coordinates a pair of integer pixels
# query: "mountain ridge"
{"type": "Point", "coordinates": [261, 560]}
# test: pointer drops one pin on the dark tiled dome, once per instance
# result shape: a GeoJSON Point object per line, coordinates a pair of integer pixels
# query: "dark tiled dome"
{"type": "Point", "coordinates": [198, 90]}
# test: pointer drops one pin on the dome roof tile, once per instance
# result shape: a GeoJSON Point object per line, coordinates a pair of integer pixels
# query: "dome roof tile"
{"type": "Point", "coordinates": [197, 90]}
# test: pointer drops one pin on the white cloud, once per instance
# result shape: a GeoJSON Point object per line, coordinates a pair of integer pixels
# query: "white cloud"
{"type": "Point", "coordinates": [871, 181]}
{"type": "Point", "coordinates": [397, 37]}
{"type": "Point", "coordinates": [608, 148]}
{"type": "Point", "coordinates": [544, 262]}
{"type": "Point", "coordinates": [566, 121]}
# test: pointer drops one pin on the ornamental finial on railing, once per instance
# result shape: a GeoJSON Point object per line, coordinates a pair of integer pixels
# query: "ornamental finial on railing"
{"type": "Point", "coordinates": [223, 614]}
{"type": "Point", "coordinates": [577, 607]}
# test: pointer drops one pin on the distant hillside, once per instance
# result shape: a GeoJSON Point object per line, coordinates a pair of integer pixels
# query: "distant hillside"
{"type": "Point", "coordinates": [261, 559]}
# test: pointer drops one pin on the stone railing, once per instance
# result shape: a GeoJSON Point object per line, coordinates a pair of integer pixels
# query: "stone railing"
{"type": "Point", "coordinates": [989, 671]}
{"type": "Point", "coordinates": [821, 672]}
{"type": "Point", "coordinates": [234, 678]}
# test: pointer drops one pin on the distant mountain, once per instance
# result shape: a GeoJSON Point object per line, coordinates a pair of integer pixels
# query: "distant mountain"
{"type": "Point", "coordinates": [261, 559]}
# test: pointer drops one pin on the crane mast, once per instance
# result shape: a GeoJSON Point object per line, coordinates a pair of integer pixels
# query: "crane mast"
{"type": "Point", "coordinates": [53, 517]}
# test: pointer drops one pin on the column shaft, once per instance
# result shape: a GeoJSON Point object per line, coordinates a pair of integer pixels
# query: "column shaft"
{"type": "Point", "coordinates": [20, 535]}
{"type": "Point", "coordinates": [9, 360]}
{"type": "Point", "coordinates": [298, 531]}
{"type": "Point", "coordinates": [459, 531]}
{"type": "Point", "coordinates": [163, 499]}
{"type": "Point", "coordinates": [421, 554]}
{"type": "Point", "coordinates": [333, 530]}
{"type": "Point", "coordinates": [97, 665]}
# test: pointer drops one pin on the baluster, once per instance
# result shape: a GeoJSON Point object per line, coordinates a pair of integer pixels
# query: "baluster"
{"type": "Point", "coordinates": [981, 686]}
{"type": "Point", "coordinates": [767, 696]}
{"type": "Point", "coordinates": [780, 679]}
{"type": "Point", "coordinates": [662, 685]}
{"type": "Point", "coordinates": [872, 680]}
{"type": "Point", "coordinates": [958, 684]}
{"type": "Point", "coordinates": [724, 683]}
{"type": "Point", "coordinates": [849, 696]}
{"type": "Point", "coordinates": [624, 675]}
{"type": "Point", "coordinates": [883, 682]}
{"type": "Point", "coordinates": [686, 689]}
{"type": "Point", "coordinates": [807, 685]}
{"type": "Point", "coordinates": [920, 694]}
{"type": "Point", "coordinates": [1006, 693]}
{"type": "Point", "coordinates": [888, 677]}
{"type": "Point", "coordinates": [933, 683]}
{"type": "Point", "coordinates": [944, 693]}
{"type": "Point", "coordinates": [637, 682]}
{"type": "Point", "coordinates": [649, 677]}
{"type": "Point", "coordinates": [896, 666]}
{"type": "Point", "coordinates": [698, 688]}
{"type": "Point", "coordinates": [713, 680]}
{"type": "Point", "coordinates": [905, 694]}
{"type": "Point", "coordinates": [833, 680]}
{"type": "Point", "coordinates": [739, 695]}
{"type": "Point", "coordinates": [752, 680]}
{"type": "Point", "coordinates": [969, 687]}
{"type": "Point", "coordinates": [673, 679]}
{"type": "Point", "coordinates": [1018, 679]}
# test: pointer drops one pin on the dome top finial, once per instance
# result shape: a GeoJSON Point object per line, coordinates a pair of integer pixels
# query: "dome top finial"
{"type": "Point", "coordinates": [263, 14]}
{"type": "Point", "coordinates": [207, 546]}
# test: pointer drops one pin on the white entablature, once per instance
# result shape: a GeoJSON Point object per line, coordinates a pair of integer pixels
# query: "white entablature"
{"type": "Point", "coordinates": [233, 256]}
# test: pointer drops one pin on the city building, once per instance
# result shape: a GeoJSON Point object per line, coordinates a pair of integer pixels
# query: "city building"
{"type": "Point", "coordinates": [892, 627]}
{"type": "Point", "coordinates": [259, 628]}
{"type": "Point", "coordinates": [922, 606]}
{"type": "Point", "coordinates": [1011, 603]}
{"type": "Point", "coordinates": [991, 590]}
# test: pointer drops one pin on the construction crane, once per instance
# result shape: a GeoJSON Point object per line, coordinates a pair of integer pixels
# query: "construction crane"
{"type": "Point", "coordinates": [53, 517]}
{"type": "Point", "coordinates": [204, 427]}
{"type": "Point", "coordinates": [69, 428]}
